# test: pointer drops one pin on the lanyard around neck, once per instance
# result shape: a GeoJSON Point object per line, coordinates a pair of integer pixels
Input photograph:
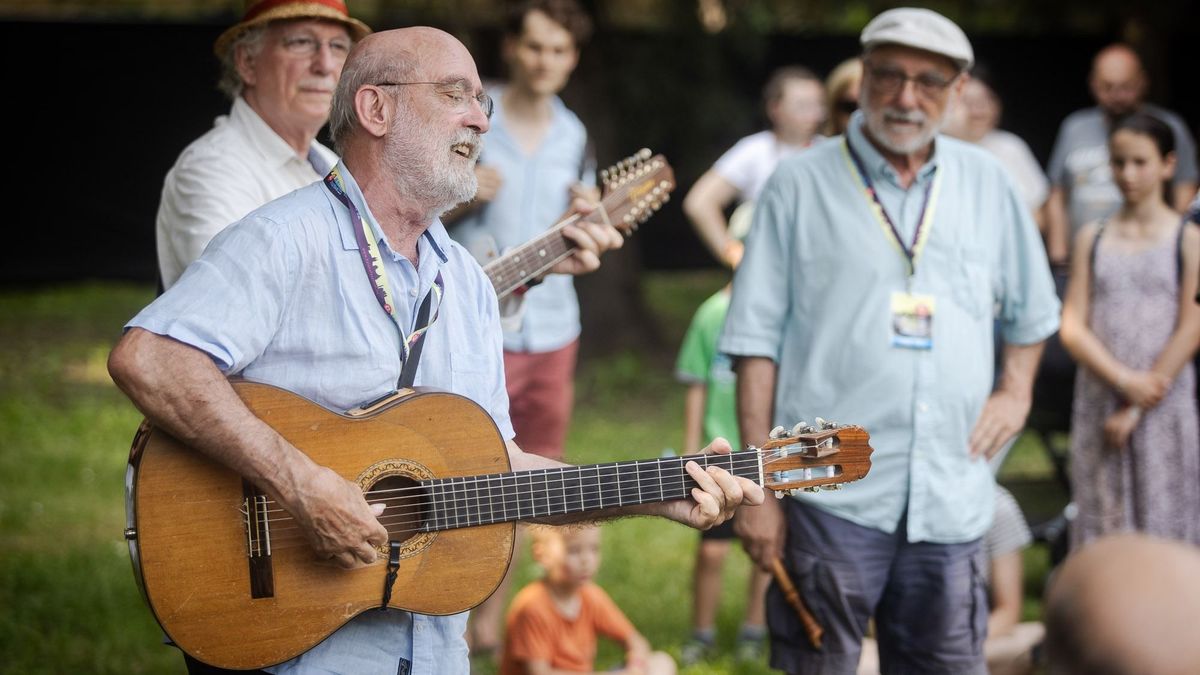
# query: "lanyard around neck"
{"type": "Point", "coordinates": [368, 252]}
{"type": "Point", "coordinates": [924, 224]}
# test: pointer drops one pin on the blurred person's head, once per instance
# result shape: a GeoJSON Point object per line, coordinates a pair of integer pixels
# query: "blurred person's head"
{"type": "Point", "coordinates": [1118, 81]}
{"type": "Point", "coordinates": [794, 100]}
{"type": "Point", "coordinates": [284, 59]}
{"type": "Point", "coordinates": [542, 39]}
{"type": "Point", "coordinates": [410, 109]}
{"type": "Point", "coordinates": [978, 110]}
{"type": "Point", "coordinates": [1126, 604]}
{"type": "Point", "coordinates": [913, 65]}
{"type": "Point", "coordinates": [841, 95]}
{"type": "Point", "coordinates": [570, 555]}
{"type": "Point", "coordinates": [1141, 153]}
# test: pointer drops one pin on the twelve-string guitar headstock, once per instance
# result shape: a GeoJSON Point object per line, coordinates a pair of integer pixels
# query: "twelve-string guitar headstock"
{"type": "Point", "coordinates": [635, 188]}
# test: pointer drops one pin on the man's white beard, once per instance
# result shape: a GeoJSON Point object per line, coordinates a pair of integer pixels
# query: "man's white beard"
{"type": "Point", "coordinates": [877, 125]}
{"type": "Point", "coordinates": [423, 169]}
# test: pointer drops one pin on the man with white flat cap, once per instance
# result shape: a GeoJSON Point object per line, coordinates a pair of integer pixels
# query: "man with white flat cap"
{"type": "Point", "coordinates": [873, 274]}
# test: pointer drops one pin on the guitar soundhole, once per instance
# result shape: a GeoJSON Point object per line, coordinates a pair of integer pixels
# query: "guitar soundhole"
{"type": "Point", "coordinates": [406, 506]}
{"type": "Point", "coordinates": [396, 484]}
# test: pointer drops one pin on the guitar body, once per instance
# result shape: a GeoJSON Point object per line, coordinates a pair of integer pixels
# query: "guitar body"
{"type": "Point", "coordinates": [189, 530]}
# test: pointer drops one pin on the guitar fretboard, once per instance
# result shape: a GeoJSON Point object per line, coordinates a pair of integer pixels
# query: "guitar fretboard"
{"type": "Point", "coordinates": [505, 497]}
{"type": "Point", "coordinates": [528, 260]}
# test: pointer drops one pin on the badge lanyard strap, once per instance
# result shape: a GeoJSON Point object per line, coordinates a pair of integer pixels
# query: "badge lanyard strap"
{"type": "Point", "coordinates": [368, 251]}
{"type": "Point", "coordinates": [924, 223]}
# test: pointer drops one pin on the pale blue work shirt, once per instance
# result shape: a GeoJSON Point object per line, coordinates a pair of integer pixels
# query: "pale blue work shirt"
{"type": "Point", "coordinates": [814, 291]}
{"type": "Point", "coordinates": [282, 297]}
{"type": "Point", "coordinates": [534, 195]}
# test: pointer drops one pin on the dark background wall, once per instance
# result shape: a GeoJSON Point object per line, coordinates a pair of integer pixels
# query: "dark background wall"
{"type": "Point", "coordinates": [99, 112]}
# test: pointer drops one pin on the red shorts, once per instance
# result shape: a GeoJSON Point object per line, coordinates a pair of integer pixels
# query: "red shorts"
{"type": "Point", "coordinates": [541, 392]}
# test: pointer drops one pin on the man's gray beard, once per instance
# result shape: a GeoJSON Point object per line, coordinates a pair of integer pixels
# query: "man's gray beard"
{"type": "Point", "coordinates": [417, 172]}
{"type": "Point", "coordinates": [920, 141]}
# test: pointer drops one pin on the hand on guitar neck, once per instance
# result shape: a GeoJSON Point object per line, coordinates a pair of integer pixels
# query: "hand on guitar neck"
{"type": "Point", "coordinates": [591, 237]}
{"type": "Point", "coordinates": [712, 501]}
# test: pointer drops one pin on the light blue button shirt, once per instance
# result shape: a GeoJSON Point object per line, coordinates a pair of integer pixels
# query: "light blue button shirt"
{"type": "Point", "coordinates": [813, 293]}
{"type": "Point", "coordinates": [534, 196]}
{"type": "Point", "coordinates": [282, 297]}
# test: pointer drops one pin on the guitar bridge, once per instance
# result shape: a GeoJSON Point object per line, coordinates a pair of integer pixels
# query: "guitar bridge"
{"type": "Point", "coordinates": [258, 541]}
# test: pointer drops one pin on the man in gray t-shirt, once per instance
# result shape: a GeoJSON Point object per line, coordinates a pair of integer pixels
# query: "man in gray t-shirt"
{"type": "Point", "coordinates": [1082, 189]}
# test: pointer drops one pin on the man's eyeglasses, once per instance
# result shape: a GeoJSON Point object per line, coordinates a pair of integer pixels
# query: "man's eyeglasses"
{"type": "Point", "coordinates": [889, 81]}
{"type": "Point", "coordinates": [456, 93]}
{"type": "Point", "coordinates": [308, 46]}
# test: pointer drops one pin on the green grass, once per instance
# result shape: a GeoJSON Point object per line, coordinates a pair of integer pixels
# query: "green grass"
{"type": "Point", "coordinates": [70, 602]}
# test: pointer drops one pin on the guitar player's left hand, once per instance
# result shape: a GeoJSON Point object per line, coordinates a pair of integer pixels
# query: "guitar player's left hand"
{"type": "Point", "coordinates": [717, 495]}
{"type": "Point", "coordinates": [591, 240]}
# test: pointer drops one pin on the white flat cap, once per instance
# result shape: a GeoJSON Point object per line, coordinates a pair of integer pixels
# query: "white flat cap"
{"type": "Point", "coordinates": [922, 29]}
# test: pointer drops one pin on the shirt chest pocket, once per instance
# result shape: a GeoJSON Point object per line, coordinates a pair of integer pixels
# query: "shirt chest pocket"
{"type": "Point", "coordinates": [972, 289]}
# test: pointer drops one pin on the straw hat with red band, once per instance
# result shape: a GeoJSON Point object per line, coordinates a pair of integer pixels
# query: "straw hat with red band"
{"type": "Point", "coordinates": [259, 12]}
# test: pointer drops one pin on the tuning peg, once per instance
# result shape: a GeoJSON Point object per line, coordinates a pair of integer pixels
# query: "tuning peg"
{"type": "Point", "coordinates": [835, 486]}
{"type": "Point", "coordinates": [779, 494]}
{"type": "Point", "coordinates": [824, 424]}
{"type": "Point", "coordinates": [799, 428]}
{"type": "Point", "coordinates": [813, 488]}
{"type": "Point", "coordinates": [778, 433]}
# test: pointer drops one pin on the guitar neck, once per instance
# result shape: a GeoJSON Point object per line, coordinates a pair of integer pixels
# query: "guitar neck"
{"type": "Point", "coordinates": [512, 270]}
{"type": "Point", "coordinates": [529, 495]}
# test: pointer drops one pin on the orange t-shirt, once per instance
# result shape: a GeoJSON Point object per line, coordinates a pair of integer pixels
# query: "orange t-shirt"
{"type": "Point", "coordinates": [537, 631]}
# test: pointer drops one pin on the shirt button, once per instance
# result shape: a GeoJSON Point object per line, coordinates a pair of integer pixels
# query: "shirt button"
{"type": "Point", "coordinates": [413, 292]}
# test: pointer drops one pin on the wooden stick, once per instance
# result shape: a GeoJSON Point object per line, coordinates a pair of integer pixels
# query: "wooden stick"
{"type": "Point", "coordinates": [811, 627]}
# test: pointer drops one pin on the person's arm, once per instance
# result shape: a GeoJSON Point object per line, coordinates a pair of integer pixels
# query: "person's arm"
{"type": "Point", "coordinates": [760, 528]}
{"type": "Point", "coordinates": [1142, 388]}
{"type": "Point", "coordinates": [693, 417]}
{"type": "Point", "coordinates": [180, 390]}
{"type": "Point", "coordinates": [705, 206]}
{"type": "Point", "coordinates": [1181, 347]}
{"type": "Point", "coordinates": [1058, 229]}
{"type": "Point", "coordinates": [1182, 194]}
{"type": "Point", "coordinates": [637, 653]}
{"type": "Point", "coordinates": [1007, 591]}
{"type": "Point", "coordinates": [1006, 410]}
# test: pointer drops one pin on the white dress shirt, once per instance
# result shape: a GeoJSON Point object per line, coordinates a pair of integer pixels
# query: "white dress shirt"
{"type": "Point", "coordinates": [239, 165]}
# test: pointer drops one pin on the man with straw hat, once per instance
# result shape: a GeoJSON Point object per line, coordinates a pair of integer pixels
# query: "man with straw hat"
{"type": "Point", "coordinates": [279, 65]}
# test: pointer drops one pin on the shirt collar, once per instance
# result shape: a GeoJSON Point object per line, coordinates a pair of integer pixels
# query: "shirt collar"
{"type": "Point", "coordinates": [876, 165]}
{"type": "Point", "coordinates": [435, 240]}
{"type": "Point", "coordinates": [264, 139]}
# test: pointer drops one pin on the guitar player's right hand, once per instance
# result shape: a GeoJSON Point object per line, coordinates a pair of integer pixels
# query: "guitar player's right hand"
{"type": "Point", "coordinates": [762, 530]}
{"type": "Point", "coordinates": [337, 520]}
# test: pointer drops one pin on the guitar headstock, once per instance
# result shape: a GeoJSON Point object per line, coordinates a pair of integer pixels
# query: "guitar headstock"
{"type": "Point", "coordinates": [810, 457]}
{"type": "Point", "coordinates": [635, 188]}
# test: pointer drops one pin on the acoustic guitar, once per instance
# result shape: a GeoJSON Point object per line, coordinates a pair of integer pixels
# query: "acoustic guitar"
{"type": "Point", "coordinates": [634, 189]}
{"type": "Point", "coordinates": [230, 577]}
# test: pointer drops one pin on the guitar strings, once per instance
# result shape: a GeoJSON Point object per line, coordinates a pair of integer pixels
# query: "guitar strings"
{"type": "Point", "coordinates": [400, 523]}
{"type": "Point", "coordinates": [455, 500]}
{"type": "Point", "coordinates": [535, 475]}
{"type": "Point", "coordinates": [450, 491]}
